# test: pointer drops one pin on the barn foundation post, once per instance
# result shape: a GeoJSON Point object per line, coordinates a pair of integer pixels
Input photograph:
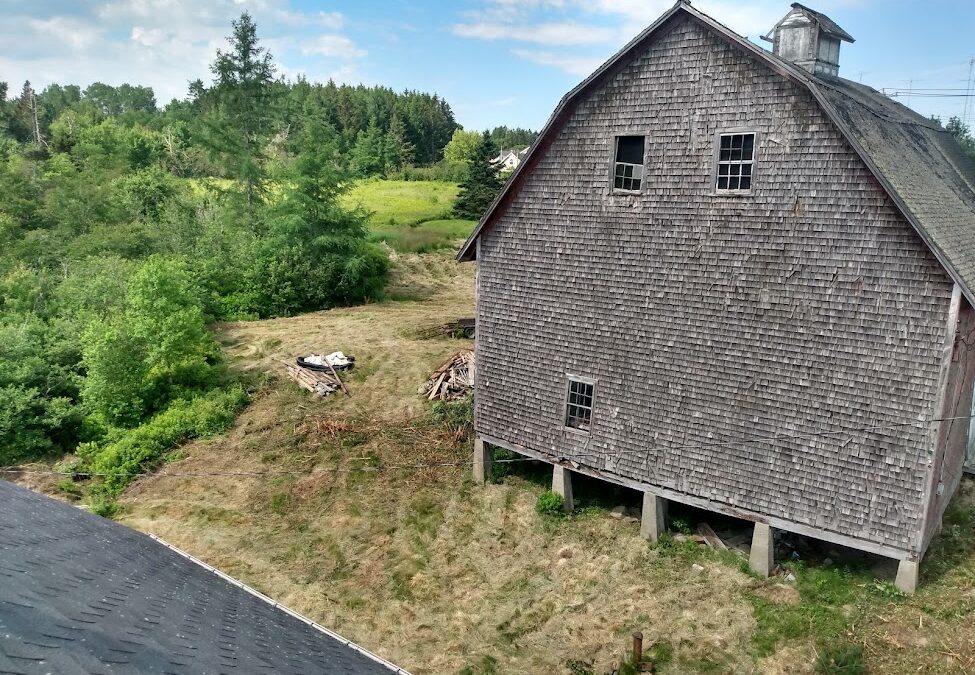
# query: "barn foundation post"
{"type": "Point", "coordinates": [482, 461]}
{"type": "Point", "coordinates": [654, 516]}
{"type": "Point", "coordinates": [761, 558]}
{"type": "Point", "coordinates": [562, 485]}
{"type": "Point", "coordinates": [907, 573]}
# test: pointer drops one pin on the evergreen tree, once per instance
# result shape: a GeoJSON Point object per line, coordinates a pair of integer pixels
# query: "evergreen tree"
{"type": "Point", "coordinates": [241, 125]}
{"type": "Point", "coordinates": [26, 122]}
{"type": "Point", "coordinates": [482, 184]}
{"type": "Point", "coordinates": [316, 255]}
{"type": "Point", "coordinates": [4, 115]}
{"type": "Point", "coordinates": [367, 153]}
{"type": "Point", "coordinates": [397, 149]}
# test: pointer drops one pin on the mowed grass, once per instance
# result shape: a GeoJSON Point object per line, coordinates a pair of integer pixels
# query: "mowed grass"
{"type": "Point", "coordinates": [409, 216]}
{"type": "Point", "coordinates": [442, 576]}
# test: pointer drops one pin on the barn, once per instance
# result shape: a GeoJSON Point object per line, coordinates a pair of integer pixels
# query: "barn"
{"type": "Point", "coordinates": [728, 277]}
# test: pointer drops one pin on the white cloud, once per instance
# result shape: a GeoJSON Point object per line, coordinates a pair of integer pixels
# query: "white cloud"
{"type": "Point", "coordinates": [74, 33]}
{"type": "Point", "coordinates": [574, 65]}
{"type": "Point", "coordinates": [334, 46]}
{"type": "Point", "coordinates": [565, 33]}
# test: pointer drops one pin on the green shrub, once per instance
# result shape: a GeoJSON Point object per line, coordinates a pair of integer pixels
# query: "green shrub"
{"type": "Point", "coordinates": [550, 504]}
{"type": "Point", "coordinates": [157, 349]}
{"type": "Point", "coordinates": [842, 659]}
{"type": "Point", "coordinates": [144, 447]}
{"type": "Point", "coordinates": [456, 416]}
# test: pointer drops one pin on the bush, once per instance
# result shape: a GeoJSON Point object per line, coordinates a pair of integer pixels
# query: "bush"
{"type": "Point", "coordinates": [156, 350]}
{"type": "Point", "coordinates": [550, 504]}
{"type": "Point", "coordinates": [841, 660]}
{"type": "Point", "coordinates": [456, 416]}
{"type": "Point", "coordinates": [143, 448]}
{"type": "Point", "coordinates": [38, 392]}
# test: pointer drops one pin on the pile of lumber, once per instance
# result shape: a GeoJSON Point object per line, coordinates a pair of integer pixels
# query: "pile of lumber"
{"type": "Point", "coordinates": [319, 382]}
{"type": "Point", "coordinates": [453, 380]}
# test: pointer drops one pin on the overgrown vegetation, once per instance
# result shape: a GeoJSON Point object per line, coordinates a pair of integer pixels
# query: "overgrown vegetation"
{"type": "Point", "coordinates": [126, 230]}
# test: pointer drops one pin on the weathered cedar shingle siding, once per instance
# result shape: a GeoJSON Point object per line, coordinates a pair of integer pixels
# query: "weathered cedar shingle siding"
{"type": "Point", "coordinates": [808, 306]}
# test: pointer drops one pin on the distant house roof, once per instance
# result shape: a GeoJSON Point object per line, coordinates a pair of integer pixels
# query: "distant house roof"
{"type": "Point", "coordinates": [916, 161]}
{"type": "Point", "coordinates": [82, 594]}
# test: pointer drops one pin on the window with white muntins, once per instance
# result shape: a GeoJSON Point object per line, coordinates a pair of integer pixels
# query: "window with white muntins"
{"type": "Point", "coordinates": [628, 170]}
{"type": "Point", "coordinates": [736, 159]}
{"type": "Point", "coordinates": [578, 403]}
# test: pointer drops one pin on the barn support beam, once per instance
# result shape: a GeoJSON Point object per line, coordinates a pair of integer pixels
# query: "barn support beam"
{"type": "Point", "coordinates": [761, 559]}
{"type": "Point", "coordinates": [654, 516]}
{"type": "Point", "coordinates": [907, 574]}
{"type": "Point", "coordinates": [562, 485]}
{"type": "Point", "coordinates": [482, 461]}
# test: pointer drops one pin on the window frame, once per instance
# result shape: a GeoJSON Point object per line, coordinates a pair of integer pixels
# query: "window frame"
{"type": "Point", "coordinates": [614, 149]}
{"type": "Point", "coordinates": [716, 162]}
{"type": "Point", "coordinates": [581, 379]}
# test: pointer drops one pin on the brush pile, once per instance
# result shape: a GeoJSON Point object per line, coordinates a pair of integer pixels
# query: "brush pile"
{"type": "Point", "coordinates": [319, 373]}
{"type": "Point", "coordinates": [453, 380]}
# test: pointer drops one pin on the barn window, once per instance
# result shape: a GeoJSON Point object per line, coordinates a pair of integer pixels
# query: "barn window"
{"type": "Point", "coordinates": [628, 171]}
{"type": "Point", "coordinates": [578, 403]}
{"type": "Point", "coordinates": [736, 154]}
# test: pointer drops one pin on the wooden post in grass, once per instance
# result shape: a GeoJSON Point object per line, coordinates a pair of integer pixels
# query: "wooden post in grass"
{"type": "Point", "coordinates": [637, 648]}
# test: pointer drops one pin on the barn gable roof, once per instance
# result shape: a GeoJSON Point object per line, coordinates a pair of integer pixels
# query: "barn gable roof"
{"type": "Point", "coordinates": [917, 162]}
{"type": "Point", "coordinates": [81, 594]}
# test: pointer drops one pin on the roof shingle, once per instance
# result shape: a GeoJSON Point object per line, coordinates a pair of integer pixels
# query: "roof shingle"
{"type": "Point", "coordinates": [82, 594]}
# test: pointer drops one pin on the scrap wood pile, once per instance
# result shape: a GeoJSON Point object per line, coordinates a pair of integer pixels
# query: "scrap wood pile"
{"type": "Point", "coordinates": [461, 328]}
{"type": "Point", "coordinates": [452, 380]}
{"type": "Point", "coordinates": [318, 373]}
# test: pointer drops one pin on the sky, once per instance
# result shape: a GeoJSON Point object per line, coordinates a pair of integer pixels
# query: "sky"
{"type": "Point", "coordinates": [495, 61]}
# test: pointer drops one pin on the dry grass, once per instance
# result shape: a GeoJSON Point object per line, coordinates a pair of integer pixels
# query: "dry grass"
{"type": "Point", "coordinates": [441, 576]}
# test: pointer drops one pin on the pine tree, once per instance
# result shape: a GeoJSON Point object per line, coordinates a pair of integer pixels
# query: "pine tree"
{"type": "Point", "coordinates": [26, 122]}
{"type": "Point", "coordinates": [397, 149]}
{"type": "Point", "coordinates": [482, 184]}
{"type": "Point", "coordinates": [367, 153]}
{"type": "Point", "coordinates": [242, 124]}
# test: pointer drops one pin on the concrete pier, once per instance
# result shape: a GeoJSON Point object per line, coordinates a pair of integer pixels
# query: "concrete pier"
{"type": "Point", "coordinates": [653, 521]}
{"type": "Point", "coordinates": [562, 485]}
{"type": "Point", "coordinates": [761, 560]}
{"type": "Point", "coordinates": [482, 461]}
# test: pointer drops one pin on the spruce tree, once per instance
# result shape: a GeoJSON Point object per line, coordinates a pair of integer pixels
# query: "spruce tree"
{"type": "Point", "coordinates": [241, 125]}
{"type": "Point", "coordinates": [482, 184]}
{"type": "Point", "coordinates": [397, 149]}
{"type": "Point", "coordinates": [367, 153]}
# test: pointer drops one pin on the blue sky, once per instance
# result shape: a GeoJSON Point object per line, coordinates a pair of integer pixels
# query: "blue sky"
{"type": "Point", "coordinates": [495, 61]}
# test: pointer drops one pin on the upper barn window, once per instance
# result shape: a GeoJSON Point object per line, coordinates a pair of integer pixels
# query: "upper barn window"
{"type": "Point", "coordinates": [736, 156]}
{"type": "Point", "coordinates": [628, 170]}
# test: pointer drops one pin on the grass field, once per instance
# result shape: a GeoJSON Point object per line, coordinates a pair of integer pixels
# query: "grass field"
{"type": "Point", "coordinates": [442, 576]}
{"type": "Point", "coordinates": [410, 216]}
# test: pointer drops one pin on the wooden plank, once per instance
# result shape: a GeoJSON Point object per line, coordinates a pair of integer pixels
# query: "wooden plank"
{"type": "Point", "coordinates": [711, 537]}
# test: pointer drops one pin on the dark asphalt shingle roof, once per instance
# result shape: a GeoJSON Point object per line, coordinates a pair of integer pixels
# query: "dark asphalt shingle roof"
{"type": "Point", "coordinates": [82, 594]}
